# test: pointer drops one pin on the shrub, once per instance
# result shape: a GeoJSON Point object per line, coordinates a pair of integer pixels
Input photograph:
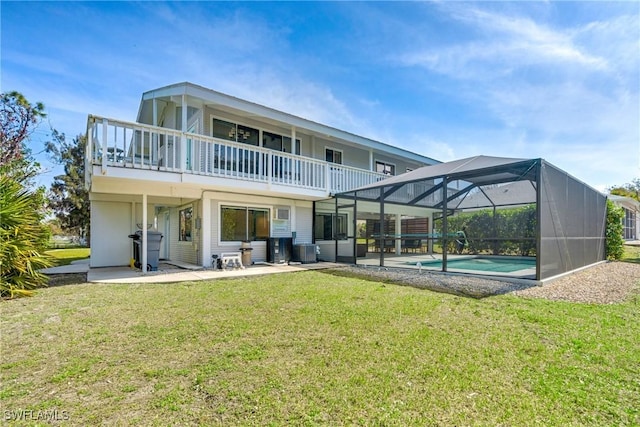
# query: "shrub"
{"type": "Point", "coordinates": [508, 231]}
{"type": "Point", "coordinates": [614, 248]}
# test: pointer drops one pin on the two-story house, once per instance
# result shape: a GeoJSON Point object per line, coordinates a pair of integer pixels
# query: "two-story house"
{"type": "Point", "coordinates": [210, 171]}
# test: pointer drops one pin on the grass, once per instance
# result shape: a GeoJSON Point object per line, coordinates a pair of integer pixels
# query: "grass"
{"type": "Point", "coordinates": [312, 348]}
{"type": "Point", "coordinates": [67, 256]}
{"type": "Point", "coordinates": [631, 254]}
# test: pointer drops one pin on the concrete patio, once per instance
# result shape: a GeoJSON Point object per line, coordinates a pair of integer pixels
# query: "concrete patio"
{"type": "Point", "coordinates": [169, 272]}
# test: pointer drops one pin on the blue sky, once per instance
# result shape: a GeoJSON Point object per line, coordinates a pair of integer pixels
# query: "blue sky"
{"type": "Point", "coordinates": [557, 80]}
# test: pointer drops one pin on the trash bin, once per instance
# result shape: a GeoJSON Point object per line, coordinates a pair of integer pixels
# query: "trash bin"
{"type": "Point", "coordinates": [245, 248]}
{"type": "Point", "coordinates": [153, 249]}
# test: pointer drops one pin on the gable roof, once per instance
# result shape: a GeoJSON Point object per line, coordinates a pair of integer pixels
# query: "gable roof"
{"type": "Point", "coordinates": [624, 201]}
{"type": "Point", "coordinates": [232, 104]}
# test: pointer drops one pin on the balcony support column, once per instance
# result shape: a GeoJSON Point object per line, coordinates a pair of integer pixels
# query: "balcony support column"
{"type": "Point", "coordinates": [143, 249]}
{"type": "Point", "coordinates": [328, 176]}
{"type": "Point", "coordinates": [205, 231]}
{"type": "Point", "coordinates": [105, 135]}
{"type": "Point", "coordinates": [133, 224]}
{"type": "Point", "coordinates": [293, 140]}
{"type": "Point", "coordinates": [295, 172]}
{"type": "Point", "coordinates": [183, 137]}
{"type": "Point", "coordinates": [155, 112]}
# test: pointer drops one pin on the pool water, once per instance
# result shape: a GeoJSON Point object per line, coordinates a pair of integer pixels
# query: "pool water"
{"type": "Point", "coordinates": [499, 265]}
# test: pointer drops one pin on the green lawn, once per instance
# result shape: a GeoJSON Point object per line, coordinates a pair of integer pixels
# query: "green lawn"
{"type": "Point", "coordinates": [312, 348]}
{"type": "Point", "coordinates": [631, 254]}
{"type": "Point", "coordinates": [68, 255]}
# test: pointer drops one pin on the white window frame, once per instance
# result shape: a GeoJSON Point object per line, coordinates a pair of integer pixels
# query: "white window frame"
{"type": "Point", "coordinates": [193, 211]}
{"type": "Point", "coordinates": [335, 150]}
{"type": "Point", "coordinates": [234, 204]}
{"type": "Point", "coordinates": [385, 163]}
{"type": "Point", "coordinates": [237, 123]}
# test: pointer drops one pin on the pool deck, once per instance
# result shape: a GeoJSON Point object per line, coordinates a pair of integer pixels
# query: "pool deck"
{"type": "Point", "coordinates": [169, 271]}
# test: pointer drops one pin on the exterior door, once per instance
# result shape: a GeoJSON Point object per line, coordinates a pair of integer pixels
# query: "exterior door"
{"type": "Point", "coordinates": [166, 236]}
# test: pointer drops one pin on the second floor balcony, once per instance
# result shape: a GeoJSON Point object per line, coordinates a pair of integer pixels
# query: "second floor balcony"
{"type": "Point", "coordinates": [119, 144]}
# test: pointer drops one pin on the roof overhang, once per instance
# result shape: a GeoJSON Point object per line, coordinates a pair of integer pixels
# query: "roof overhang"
{"type": "Point", "coordinates": [198, 95]}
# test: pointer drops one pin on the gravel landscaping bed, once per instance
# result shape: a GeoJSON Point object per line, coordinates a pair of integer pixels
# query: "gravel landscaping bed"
{"type": "Point", "coordinates": [606, 283]}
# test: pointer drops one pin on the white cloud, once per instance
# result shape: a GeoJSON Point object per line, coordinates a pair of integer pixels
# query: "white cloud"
{"type": "Point", "coordinates": [426, 146]}
{"type": "Point", "coordinates": [506, 43]}
{"type": "Point", "coordinates": [570, 95]}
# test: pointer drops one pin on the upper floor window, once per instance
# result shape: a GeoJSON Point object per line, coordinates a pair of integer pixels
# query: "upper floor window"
{"type": "Point", "coordinates": [277, 142]}
{"type": "Point", "coordinates": [191, 112]}
{"type": "Point", "coordinates": [333, 156]}
{"type": "Point", "coordinates": [385, 168]}
{"type": "Point", "coordinates": [272, 141]}
{"type": "Point", "coordinates": [247, 135]}
{"type": "Point", "coordinates": [286, 145]}
{"type": "Point", "coordinates": [234, 132]}
{"type": "Point", "coordinates": [223, 130]}
{"type": "Point", "coordinates": [239, 133]}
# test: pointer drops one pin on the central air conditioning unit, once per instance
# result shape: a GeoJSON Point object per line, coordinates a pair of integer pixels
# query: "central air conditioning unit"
{"type": "Point", "coordinates": [281, 214]}
{"type": "Point", "coordinates": [304, 253]}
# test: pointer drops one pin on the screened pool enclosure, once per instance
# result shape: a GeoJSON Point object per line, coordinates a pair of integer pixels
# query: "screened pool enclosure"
{"type": "Point", "coordinates": [483, 215]}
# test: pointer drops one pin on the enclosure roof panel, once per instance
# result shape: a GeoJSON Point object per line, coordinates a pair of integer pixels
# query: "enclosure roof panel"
{"type": "Point", "coordinates": [512, 193]}
{"type": "Point", "coordinates": [477, 170]}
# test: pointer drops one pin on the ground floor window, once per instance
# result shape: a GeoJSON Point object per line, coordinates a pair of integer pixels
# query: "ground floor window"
{"type": "Point", "coordinates": [244, 223]}
{"type": "Point", "coordinates": [629, 224]}
{"type": "Point", "coordinates": [330, 226]}
{"type": "Point", "coordinates": [186, 222]}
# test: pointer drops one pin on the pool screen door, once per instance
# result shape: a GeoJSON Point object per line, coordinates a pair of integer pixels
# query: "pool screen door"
{"type": "Point", "coordinates": [345, 231]}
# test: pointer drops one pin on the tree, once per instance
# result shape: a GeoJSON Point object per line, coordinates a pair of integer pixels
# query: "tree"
{"type": "Point", "coordinates": [68, 197]}
{"type": "Point", "coordinates": [23, 237]}
{"type": "Point", "coordinates": [18, 119]}
{"type": "Point", "coordinates": [628, 190]}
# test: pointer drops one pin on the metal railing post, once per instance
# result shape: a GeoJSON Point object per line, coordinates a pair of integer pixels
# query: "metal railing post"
{"type": "Point", "coordinates": [105, 128]}
{"type": "Point", "coordinates": [269, 169]}
{"type": "Point", "coordinates": [329, 178]}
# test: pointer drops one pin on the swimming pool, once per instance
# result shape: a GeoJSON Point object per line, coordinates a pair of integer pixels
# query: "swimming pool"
{"type": "Point", "coordinates": [497, 264]}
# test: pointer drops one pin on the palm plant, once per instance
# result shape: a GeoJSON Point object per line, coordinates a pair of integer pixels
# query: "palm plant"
{"type": "Point", "coordinates": [23, 238]}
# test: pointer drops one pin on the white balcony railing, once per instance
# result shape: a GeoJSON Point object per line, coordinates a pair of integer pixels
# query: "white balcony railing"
{"type": "Point", "coordinates": [134, 145]}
